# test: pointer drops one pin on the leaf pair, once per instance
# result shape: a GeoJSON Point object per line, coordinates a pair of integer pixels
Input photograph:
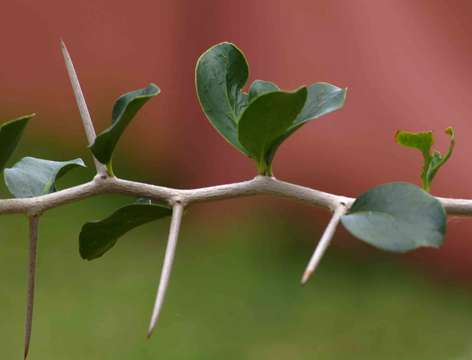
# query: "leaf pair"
{"type": "Point", "coordinates": [257, 122]}
{"type": "Point", "coordinates": [432, 159]}
{"type": "Point", "coordinates": [124, 110]}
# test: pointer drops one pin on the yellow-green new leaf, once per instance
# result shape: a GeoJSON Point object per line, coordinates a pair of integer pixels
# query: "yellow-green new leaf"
{"type": "Point", "coordinates": [432, 159]}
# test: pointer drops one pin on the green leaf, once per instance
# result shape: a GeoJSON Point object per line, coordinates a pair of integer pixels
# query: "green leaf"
{"type": "Point", "coordinates": [261, 87]}
{"type": "Point", "coordinates": [432, 159]}
{"type": "Point", "coordinates": [397, 217]}
{"type": "Point", "coordinates": [266, 119]}
{"type": "Point", "coordinates": [10, 134]}
{"type": "Point", "coordinates": [221, 73]}
{"type": "Point", "coordinates": [322, 99]}
{"type": "Point", "coordinates": [97, 237]}
{"type": "Point", "coordinates": [33, 177]}
{"type": "Point", "coordinates": [124, 110]}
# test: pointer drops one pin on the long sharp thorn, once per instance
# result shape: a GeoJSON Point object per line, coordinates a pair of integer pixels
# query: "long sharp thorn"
{"type": "Point", "coordinates": [81, 104]}
{"type": "Point", "coordinates": [33, 245]}
{"type": "Point", "coordinates": [177, 212]}
{"type": "Point", "coordinates": [323, 243]}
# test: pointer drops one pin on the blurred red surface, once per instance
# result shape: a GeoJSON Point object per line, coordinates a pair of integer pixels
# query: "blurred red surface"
{"type": "Point", "coordinates": [406, 63]}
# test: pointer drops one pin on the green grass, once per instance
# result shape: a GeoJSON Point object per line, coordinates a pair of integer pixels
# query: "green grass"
{"type": "Point", "coordinates": [234, 294]}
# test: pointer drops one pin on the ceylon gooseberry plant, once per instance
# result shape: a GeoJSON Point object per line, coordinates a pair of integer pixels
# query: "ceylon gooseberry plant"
{"type": "Point", "coordinates": [396, 217]}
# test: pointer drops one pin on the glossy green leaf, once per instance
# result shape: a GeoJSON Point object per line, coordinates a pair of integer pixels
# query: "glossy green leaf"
{"type": "Point", "coordinates": [266, 119]}
{"type": "Point", "coordinates": [261, 87]}
{"type": "Point", "coordinates": [432, 159]}
{"type": "Point", "coordinates": [10, 134]}
{"type": "Point", "coordinates": [97, 237]}
{"type": "Point", "coordinates": [322, 99]}
{"type": "Point", "coordinates": [221, 73]}
{"type": "Point", "coordinates": [397, 217]}
{"type": "Point", "coordinates": [124, 110]}
{"type": "Point", "coordinates": [33, 177]}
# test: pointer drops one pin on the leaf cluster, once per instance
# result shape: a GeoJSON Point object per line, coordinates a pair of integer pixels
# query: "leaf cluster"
{"type": "Point", "coordinates": [259, 121]}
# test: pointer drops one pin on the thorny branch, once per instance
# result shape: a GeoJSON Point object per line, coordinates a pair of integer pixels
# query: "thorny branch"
{"type": "Point", "coordinates": [178, 199]}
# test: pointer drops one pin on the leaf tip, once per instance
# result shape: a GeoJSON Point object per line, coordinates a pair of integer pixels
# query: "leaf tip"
{"type": "Point", "coordinates": [450, 132]}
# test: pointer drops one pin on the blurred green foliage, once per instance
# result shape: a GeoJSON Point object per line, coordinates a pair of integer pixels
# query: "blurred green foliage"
{"type": "Point", "coordinates": [234, 294]}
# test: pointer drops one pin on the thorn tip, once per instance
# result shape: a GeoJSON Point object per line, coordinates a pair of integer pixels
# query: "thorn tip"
{"type": "Point", "coordinates": [306, 276]}
{"type": "Point", "coordinates": [177, 212]}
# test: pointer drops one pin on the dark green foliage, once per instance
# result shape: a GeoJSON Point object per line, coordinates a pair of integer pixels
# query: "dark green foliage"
{"type": "Point", "coordinates": [10, 135]}
{"type": "Point", "coordinates": [124, 110]}
{"type": "Point", "coordinates": [397, 217]}
{"type": "Point", "coordinates": [221, 74]}
{"type": "Point", "coordinates": [33, 177]}
{"type": "Point", "coordinates": [97, 237]}
{"type": "Point", "coordinates": [265, 121]}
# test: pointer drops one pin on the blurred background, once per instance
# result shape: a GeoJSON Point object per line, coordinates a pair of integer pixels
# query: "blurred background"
{"type": "Point", "coordinates": [235, 290]}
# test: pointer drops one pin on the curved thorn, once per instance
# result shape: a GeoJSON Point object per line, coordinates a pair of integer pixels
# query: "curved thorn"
{"type": "Point", "coordinates": [177, 212]}
{"type": "Point", "coordinates": [33, 244]}
{"type": "Point", "coordinates": [324, 242]}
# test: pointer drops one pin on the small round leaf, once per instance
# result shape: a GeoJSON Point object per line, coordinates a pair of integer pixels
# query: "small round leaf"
{"type": "Point", "coordinates": [397, 217]}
